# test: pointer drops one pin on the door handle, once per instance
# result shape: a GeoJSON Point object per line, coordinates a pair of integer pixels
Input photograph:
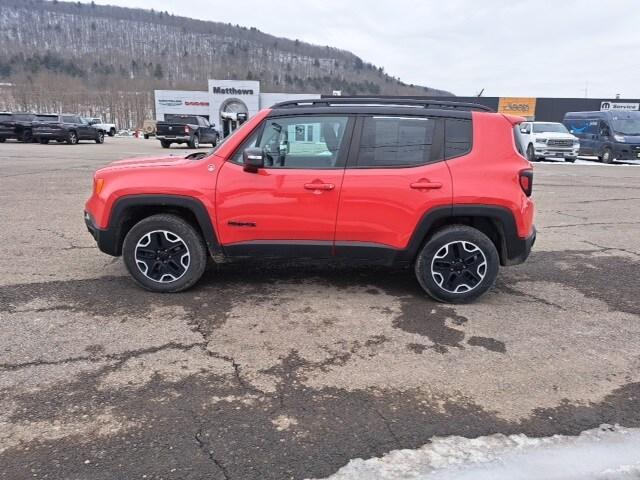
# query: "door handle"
{"type": "Point", "coordinates": [319, 186]}
{"type": "Point", "coordinates": [425, 184]}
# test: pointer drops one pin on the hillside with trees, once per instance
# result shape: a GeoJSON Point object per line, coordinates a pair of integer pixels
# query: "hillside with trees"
{"type": "Point", "coordinates": [105, 60]}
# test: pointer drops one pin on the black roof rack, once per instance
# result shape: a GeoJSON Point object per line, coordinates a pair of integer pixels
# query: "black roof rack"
{"type": "Point", "coordinates": [374, 101]}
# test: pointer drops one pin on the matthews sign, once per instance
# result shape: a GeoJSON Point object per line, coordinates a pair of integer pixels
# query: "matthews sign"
{"type": "Point", "coordinates": [232, 91]}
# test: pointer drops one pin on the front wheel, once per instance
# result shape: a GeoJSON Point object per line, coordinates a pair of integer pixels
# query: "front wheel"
{"type": "Point", "coordinates": [164, 253]}
{"type": "Point", "coordinates": [457, 265]}
{"type": "Point", "coordinates": [531, 153]}
{"type": "Point", "coordinates": [44, 141]}
{"type": "Point", "coordinates": [100, 137]}
{"type": "Point", "coordinates": [165, 144]}
{"type": "Point", "coordinates": [72, 138]}
{"type": "Point", "coordinates": [112, 132]}
{"type": "Point", "coordinates": [607, 155]}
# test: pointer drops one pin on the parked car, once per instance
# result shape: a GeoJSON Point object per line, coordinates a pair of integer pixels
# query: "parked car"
{"type": "Point", "coordinates": [17, 126]}
{"type": "Point", "coordinates": [65, 128]}
{"type": "Point", "coordinates": [190, 129]}
{"type": "Point", "coordinates": [5, 129]}
{"type": "Point", "coordinates": [107, 128]}
{"type": "Point", "coordinates": [440, 187]}
{"type": "Point", "coordinates": [542, 140]}
{"type": "Point", "coordinates": [149, 128]}
{"type": "Point", "coordinates": [608, 135]}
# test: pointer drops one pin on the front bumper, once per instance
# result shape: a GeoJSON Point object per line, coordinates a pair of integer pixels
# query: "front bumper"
{"type": "Point", "coordinates": [544, 152]}
{"type": "Point", "coordinates": [626, 151]}
{"type": "Point", "coordinates": [106, 239]}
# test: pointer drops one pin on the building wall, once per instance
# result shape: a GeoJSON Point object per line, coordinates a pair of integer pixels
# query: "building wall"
{"type": "Point", "coordinates": [181, 102]}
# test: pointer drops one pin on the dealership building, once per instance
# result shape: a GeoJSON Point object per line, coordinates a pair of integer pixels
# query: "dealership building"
{"type": "Point", "coordinates": [229, 103]}
{"type": "Point", "coordinates": [226, 103]}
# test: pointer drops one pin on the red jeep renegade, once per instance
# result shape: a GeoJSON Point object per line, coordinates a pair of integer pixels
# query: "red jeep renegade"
{"type": "Point", "coordinates": [433, 184]}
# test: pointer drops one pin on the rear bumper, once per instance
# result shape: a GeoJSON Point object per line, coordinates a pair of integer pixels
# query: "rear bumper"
{"type": "Point", "coordinates": [106, 239]}
{"type": "Point", "coordinates": [174, 138]}
{"type": "Point", "coordinates": [518, 249]}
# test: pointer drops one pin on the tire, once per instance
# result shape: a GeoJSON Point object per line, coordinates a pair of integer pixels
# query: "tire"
{"type": "Point", "coordinates": [531, 153]}
{"type": "Point", "coordinates": [570, 160]}
{"type": "Point", "coordinates": [453, 247]}
{"type": "Point", "coordinates": [72, 138]}
{"type": "Point", "coordinates": [2, 139]}
{"type": "Point", "coordinates": [27, 136]}
{"type": "Point", "coordinates": [146, 136]}
{"type": "Point", "coordinates": [158, 235]}
{"type": "Point", "coordinates": [165, 144]}
{"type": "Point", "coordinates": [607, 155]}
{"type": "Point", "coordinates": [100, 137]}
{"type": "Point", "coordinates": [112, 132]}
{"type": "Point", "coordinates": [44, 141]}
{"type": "Point", "coordinates": [194, 142]}
{"type": "Point", "coordinates": [215, 141]}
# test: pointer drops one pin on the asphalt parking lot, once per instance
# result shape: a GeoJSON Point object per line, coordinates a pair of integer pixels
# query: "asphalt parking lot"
{"type": "Point", "coordinates": [286, 371]}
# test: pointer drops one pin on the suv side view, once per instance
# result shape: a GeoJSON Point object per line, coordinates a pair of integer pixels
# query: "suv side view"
{"type": "Point", "coordinates": [65, 128]}
{"type": "Point", "coordinates": [436, 185]}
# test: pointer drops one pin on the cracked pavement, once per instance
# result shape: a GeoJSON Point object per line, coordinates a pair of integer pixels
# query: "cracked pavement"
{"type": "Point", "coordinates": [289, 371]}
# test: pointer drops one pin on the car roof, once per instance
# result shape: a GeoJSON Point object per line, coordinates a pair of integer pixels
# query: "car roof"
{"type": "Point", "coordinates": [377, 105]}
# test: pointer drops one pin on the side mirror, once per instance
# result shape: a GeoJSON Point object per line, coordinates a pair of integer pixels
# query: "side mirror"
{"type": "Point", "coordinates": [253, 159]}
{"type": "Point", "coordinates": [523, 130]}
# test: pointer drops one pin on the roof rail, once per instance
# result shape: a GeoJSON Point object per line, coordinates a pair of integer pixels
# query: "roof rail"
{"type": "Point", "coordinates": [395, 101]}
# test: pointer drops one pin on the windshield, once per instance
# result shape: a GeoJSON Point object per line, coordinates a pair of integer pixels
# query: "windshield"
{"type": "Point", "coordinates": [549, 127]}
{"type": "Point", "coordinates": [627, 126]}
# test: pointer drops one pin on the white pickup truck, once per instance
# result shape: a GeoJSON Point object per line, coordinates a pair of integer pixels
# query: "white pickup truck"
{"type": "Point", "coordinates": [542, 140]}
{"type": "Point", "coordinates": [107, 128]}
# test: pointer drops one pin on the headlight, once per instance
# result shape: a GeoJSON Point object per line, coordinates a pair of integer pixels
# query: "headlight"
{"type": "Point", "coordinates": [541, 140]}
{"type": "Point", "coordinates": [619, 138]}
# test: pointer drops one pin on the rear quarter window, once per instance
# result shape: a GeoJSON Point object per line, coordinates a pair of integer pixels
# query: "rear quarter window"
{"type": "Point", "coordinates": [458, 137]}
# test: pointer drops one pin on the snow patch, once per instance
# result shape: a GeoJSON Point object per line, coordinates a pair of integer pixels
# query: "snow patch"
{"type": "Point", "coordinates": [605, 453]}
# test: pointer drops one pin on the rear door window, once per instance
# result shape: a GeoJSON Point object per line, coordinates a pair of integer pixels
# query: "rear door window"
{"type": "Point", "coordinates": [390, 141]}
{"type": "Point", "coordinates": [68, 119]}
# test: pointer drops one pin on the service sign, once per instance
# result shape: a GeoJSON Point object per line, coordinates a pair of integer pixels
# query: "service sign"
{"type": "Point", "coordinates": [619, 106]}
{"type": "Point", "coordinates": [522, 106]}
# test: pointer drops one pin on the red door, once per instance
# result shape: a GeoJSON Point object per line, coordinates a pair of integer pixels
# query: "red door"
{"type": "Point", "coordinates": [292, 203]}
{"type": "Point", "coordinates": [392, 182]}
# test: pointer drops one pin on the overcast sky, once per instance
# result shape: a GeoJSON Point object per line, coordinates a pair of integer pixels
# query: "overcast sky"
{"type": "Point", "coordinates": [508, 47]}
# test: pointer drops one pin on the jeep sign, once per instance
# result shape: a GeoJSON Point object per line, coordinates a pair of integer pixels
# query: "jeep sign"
{"type": "Point", "coordinates": [619, 106]}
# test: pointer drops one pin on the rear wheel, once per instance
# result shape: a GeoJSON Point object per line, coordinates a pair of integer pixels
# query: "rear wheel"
{"type": "Point", "coordinates": [44, 141]}
{"type": "Point", "coordinates": [531, 153]}
{"type": "Point", "coordinates": [164, 253]}
{"type": "Point", "coordinates": [194, 142]}
{"type": "Point", "coordinates": [72, 138]}
{"type": "Point", "coordinates": [112, 132]}
{"type": "Point", "coordinates": [100, 137]}
{"type": "Point", "coordinates": [27, 136]}
{"type": "Point", "coordinates": [457, 265]}
{"type": "Point", "coordinates": [607, 155]}
{"type": "Point", "coordinates": [2, 139]}
{"type": "Point", "coordinates": [165, 144]}
{"type": "Point", "coordinates": [146, 136]}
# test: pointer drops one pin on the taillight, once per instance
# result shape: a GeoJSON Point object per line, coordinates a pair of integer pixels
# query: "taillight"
{"type": "Point", "coordinates": [526, 181]}
{"type": "Point", "coordinates": [186, 129]}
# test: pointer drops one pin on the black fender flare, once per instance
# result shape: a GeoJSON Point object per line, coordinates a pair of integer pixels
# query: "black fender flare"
{"type": "Point", "coordinates": [113, 235]}
{"type": "Point", "coordinates": [510, 244]}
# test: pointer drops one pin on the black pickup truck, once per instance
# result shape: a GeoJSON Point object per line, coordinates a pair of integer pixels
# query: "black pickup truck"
{"type": "Point", "coordinates": [190, 129]}
{"type": "Point", "coordinates": [65, 128]}
{"type": "Point", "coordinates": [16, 125]}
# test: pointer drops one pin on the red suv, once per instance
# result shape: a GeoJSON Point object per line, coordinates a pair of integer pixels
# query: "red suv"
{"type": "Point", "coordinates": [433, 184]}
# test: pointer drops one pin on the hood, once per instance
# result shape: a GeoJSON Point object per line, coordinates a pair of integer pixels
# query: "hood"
{"type": "Point", "coordinates": [142, 162]}
{"type": "Point", "coordinates": [630, 138]}
{"type": "Point", "coordinates": [558, 135]}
